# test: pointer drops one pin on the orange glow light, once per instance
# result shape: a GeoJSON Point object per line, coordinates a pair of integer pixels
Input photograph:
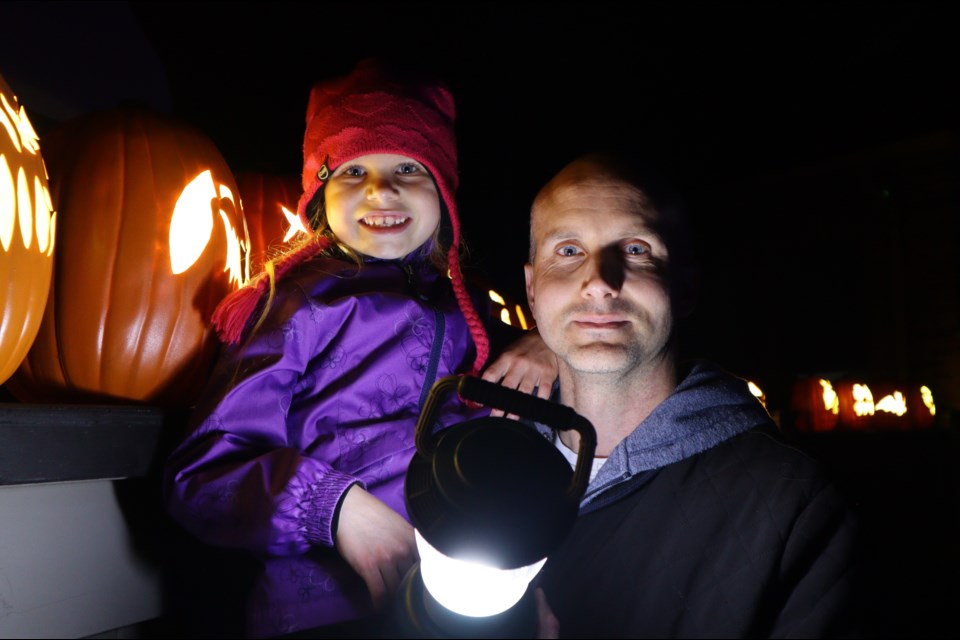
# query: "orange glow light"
{"type": "Point", "coordinates": [831, 401]}
{"type": "Point", "coordinates": [192, 226]}
{"type": "Point", "coordinates": [863, 400]}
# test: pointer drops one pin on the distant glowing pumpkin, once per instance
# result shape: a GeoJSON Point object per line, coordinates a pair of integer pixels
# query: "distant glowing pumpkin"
{"type": "Point", "coordinates": [269, 205]}
{"type": "Point", "coordinates": [515, 319]}
{"type": "Point", "coordinates": [814, 404]}
{"type": "Point", "coordinates": [151, 239]}
{"type": "Point", "coordinates": [857, 405]}
{"type": "Point", "coordinates": [922, 407]}
{"type": "Point", "coordinates": [890, 410]}
{"type": "Point", "coordinates": [27, 233]}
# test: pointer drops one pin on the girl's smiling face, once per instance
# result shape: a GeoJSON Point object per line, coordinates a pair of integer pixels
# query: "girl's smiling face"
{"type": "Point", "coordinates": [382, 205]}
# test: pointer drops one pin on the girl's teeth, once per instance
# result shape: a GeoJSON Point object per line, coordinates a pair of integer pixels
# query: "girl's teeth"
{"type": "Point", "coordinates": [385, 221]}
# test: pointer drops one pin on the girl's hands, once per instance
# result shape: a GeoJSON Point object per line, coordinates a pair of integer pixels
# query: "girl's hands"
{"type": "Point", "coordinates": [376, 541]}
{"type": "Point", "coordinates": [547, 624]}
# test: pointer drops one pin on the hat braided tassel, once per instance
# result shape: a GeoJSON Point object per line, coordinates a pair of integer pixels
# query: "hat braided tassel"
{"type": "Point", "coordinates": [477, 329]}
{"type": "Point", "coordinates": [233, 313]}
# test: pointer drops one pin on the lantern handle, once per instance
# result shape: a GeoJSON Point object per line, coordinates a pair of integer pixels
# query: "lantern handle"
{"type": "Point", "coordinates": [514, 402]}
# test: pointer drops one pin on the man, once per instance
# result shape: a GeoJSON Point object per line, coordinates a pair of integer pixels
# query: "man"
{"type": "Point", "coordinates": [700, 521]}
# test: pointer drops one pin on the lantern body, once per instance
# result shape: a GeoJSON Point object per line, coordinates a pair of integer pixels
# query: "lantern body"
{"type": "Point", "coordinates": [814, 404]}
{"type": "Point", "coordinates": [269, 204]}
{"type": "Point", "coordinates": [27, 233]}
{"type": "Point", "coordinates": [151, 239]}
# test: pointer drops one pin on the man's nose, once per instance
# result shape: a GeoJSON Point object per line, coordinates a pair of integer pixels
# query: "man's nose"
{"type": "Point", "coordinates": [604, 275]}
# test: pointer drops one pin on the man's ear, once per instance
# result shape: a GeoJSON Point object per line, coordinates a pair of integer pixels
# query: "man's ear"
{"type": "Point", "coordinates": [528, 276]}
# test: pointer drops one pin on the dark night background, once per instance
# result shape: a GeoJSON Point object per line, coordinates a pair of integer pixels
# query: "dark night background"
{"type": "Point", "coordinates": [816, 141]}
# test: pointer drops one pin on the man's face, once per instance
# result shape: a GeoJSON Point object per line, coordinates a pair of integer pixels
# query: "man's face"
{"type": "Point", "coordinates": [597, 283]}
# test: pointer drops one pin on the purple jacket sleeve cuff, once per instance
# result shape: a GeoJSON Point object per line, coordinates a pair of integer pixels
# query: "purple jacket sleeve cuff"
{"type": "Point", "coordinates": [320, 505]}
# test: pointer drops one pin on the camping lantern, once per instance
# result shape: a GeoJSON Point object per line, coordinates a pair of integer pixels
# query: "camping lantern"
{"type": "Point", "coordinates": [489, 500]}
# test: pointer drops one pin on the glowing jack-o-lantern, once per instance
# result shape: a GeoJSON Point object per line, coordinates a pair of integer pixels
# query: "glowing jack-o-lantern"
{"type": "Point", "coordinates": [890, 411]}
{"type": "Point", "coordinates": [27, 233]}
{"type": "Point", "coordinates": [151, 238]}
{"type": "Point", "coordinates": [921, 405]}
{"type": "Point", "coordinates": [861, 405]}
{"type": "Point", "coordinates": [269, 205]}
{"type": "Point", "coordinates": [857, 406]}
{"type": "Point", "coordinates": [814, 404]}
{"type": "Point", "coordinates": [516, 318]}
{"type": "Point", "coordinates": [757, 392]}
{"type": "Point", "coordinates": [903, 406]}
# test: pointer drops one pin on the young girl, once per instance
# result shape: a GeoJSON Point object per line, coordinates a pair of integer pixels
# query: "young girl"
{"type": "Point", "coordinates": [300, 446]}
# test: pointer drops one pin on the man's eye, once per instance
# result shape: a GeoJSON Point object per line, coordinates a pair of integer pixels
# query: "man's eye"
{"type": "Point", "coordinates": [568, 250]}
{"type": "Point", "coordinates": [636, 249]}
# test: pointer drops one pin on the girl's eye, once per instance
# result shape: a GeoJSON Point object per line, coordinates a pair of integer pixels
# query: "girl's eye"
{"type": "Point", "coordinates": [568, 250]}
{"type": "Point", "coordinates": [353, 171]}
{"type": "Point", "coordinates": [636, 249]}
{"type": "Point", "coordinates": [407, 169]}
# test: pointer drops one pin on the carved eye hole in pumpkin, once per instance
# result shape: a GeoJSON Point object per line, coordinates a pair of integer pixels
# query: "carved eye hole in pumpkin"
{"type": "Point", "coordinates": [814, 404]}
{"type": "Point", "coordinates": [296, 227]}
{"type": "Point", "coordinates": [863, 404]}
{"type": "Point", "coordinates": [27, 230]}
{"type": "Point", "coordinates": [926, 400]}
{"type": "Point", "coordinates": [192, 223]}
{"type": "Point", "coordinates": [24, 198]}
{"type": "Point", "coordinates": [894, 402]}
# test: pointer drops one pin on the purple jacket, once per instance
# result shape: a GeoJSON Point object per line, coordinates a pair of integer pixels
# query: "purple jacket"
{"type": "Point", "coordinates": [325, 395]}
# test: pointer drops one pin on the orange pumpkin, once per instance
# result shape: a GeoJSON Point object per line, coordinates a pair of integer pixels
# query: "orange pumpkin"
{"type": "Point", "coordinates": [921, 406]}
{"type": "Point", "coordinates": [151, 238]}
{"type": "Point", "coordinates": [856, 404]}
{"type": "Point", "coordinates": [890, 410]}
{"type": "Point", "coordinates": [27, 233]}
{"type": "Point", "coordinates": [269, 205]}
{"type": "Point", "coordinates": [814, 404]}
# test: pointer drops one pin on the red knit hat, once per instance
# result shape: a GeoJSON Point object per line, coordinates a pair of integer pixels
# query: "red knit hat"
{"type": "Point", "coordinates": [367, 112]}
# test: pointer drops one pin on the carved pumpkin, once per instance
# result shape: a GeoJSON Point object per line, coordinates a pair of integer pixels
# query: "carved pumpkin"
{"type": "Point", "coordinates": [890, 411]}
{"type": "Point", "coordinates": [269, 205]}
{"type": "Point", "coordinates": [921, 406]}
{"type": "Point", "coordinates": [151, 238]}
{"type": "Point", "coordinates": [857, 406]}
{"type": "Point", "coordinates": [27, 233]}
{"type": "Point", "coordinates": [814, 404]}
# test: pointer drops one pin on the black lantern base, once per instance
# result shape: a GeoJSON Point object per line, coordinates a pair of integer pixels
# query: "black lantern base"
{"type": "Point", "coordinates": [416, 614]}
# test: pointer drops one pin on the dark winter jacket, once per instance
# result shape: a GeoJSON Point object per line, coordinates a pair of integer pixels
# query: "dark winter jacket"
{"type": "Point", "coordinates": [704, 522]}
